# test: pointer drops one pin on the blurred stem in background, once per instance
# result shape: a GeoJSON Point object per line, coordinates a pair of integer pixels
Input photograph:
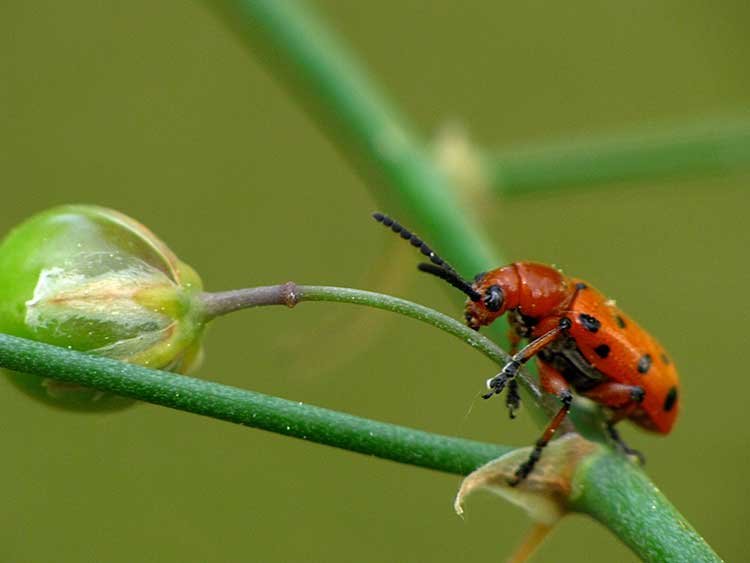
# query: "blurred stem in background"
{"type": "Point", "coordinates": [710, 146]}
{"type": "Point", "coordinates": [358, 118]}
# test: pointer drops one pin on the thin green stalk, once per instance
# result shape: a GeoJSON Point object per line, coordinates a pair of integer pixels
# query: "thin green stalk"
{"type": "Point", "coordinates": [716, 146]}
{"type": "Point", "coordinates": [291, 418]}
{"type": "Point", "coordinates": [290, 294]}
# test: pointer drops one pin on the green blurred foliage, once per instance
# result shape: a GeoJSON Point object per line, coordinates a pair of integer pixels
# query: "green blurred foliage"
{"type": "Point", "coordinates": [157, 110]}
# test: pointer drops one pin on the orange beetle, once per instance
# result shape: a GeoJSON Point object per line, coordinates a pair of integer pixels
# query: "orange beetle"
{"type": "Point", "coordinates": [581, 340]}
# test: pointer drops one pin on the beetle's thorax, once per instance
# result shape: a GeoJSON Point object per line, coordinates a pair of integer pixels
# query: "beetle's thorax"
{"type": "Point", "coordinates": [532, 290]}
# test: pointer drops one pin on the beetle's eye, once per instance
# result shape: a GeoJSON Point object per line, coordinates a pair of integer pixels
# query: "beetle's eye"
{"type": "Point", "coordinates": [493, 298]}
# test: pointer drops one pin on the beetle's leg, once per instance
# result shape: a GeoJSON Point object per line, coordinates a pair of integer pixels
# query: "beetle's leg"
{"type": "Point", "coordinates": [497, 383]}
{"type": "Point", "coordinates": [617, 396]}
{"type": "Point", "coordinates": [627, 450]}
{"type": "Point", "coordinates": [512, 397]}
{"type": "Point", "coordinates": [624, 399]}
{"type": "Point", "coordinates": [554, 383]}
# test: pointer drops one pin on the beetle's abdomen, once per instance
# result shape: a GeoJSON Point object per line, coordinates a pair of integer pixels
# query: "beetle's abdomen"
{"type": "Point", "coordinates": [621, 350]}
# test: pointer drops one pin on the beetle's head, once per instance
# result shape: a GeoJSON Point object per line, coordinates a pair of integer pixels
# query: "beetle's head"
{"type": "Point", "coordinates": [496, 290]}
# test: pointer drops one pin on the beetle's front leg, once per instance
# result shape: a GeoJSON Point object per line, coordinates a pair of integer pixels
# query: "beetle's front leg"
{"type": "Point", "coordinates": [507, 375]}
{"type": "Point", "coordinates": [554, 383]}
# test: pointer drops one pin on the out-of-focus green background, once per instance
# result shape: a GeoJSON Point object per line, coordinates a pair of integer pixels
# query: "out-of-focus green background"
{"type": "Point", "coordinates": [156, 109]}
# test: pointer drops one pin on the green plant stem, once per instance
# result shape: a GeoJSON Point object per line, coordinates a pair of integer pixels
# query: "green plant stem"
{"type": "Point", "coordinates": [621, 497]}
{"type": "Point", "coordinates": [681, 151]}
{"type": "Point", "coordinates": [291, 418]}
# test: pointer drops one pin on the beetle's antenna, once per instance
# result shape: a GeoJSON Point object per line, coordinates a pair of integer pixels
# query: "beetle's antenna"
{"type": "Point", "coordinates": [452, 278]}
{"type": "Point", "coordinates": [439, 267]}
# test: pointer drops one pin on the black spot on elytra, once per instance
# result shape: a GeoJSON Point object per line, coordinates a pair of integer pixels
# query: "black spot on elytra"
{"type": "Point", "coordinates": [592, 324]}
{"type": "Point", "coordinates": [602, 351]}
{"type": "Point", "coordinates": [581, 285]}
{"type": "Point", "coordinates": [644, 363]}
{"type": "Point", "coordinates": [620, 321]}
{"type": "Point", "coordinates": [665, 359]}
{"type": "Point", "coordinates": [671, 399]}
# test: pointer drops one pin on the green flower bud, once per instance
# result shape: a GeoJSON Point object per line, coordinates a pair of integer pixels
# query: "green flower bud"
{"type": "Point", "coordinates": [92, 279]}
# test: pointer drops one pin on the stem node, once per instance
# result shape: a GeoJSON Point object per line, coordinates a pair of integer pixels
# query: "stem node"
{"type": "Point", "coordinates": [290, 293]}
